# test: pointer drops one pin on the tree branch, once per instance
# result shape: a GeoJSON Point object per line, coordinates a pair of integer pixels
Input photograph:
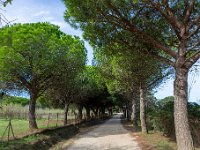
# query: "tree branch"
{"type": "Point", "coordinates": [194, 32]}
{"type": "Point", "coordinates": [164, 60]}
{"type": "Point", "coordinates": [191, 60]}
{"type": "Point", "coordinates": [24, 82]}
{"type": "Point", "coordinates": [195, 22]}
{"type": "Point", "coordinates": [188, 12]}
{"type": "Point", "coordinates": [148, 39]}
{"type": "Point", "coordinates": [169, 17]}
{"type": "Point", "coordinates": [194, 46]}
{"type": "Point", "coordinates": [143, 35]}
{"type": "Point", "coordinates": [149, 86]}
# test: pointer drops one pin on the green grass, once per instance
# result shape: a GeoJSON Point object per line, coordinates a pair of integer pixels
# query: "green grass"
{"type": "Point", "coordinates": [159, 141]}
{"type": "Point", "coordinates": [8, 145]}
{"type": "Point", "coordinates": [21, 127]}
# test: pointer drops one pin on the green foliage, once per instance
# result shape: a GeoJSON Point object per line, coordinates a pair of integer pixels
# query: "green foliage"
{"type": "Point", "coordinates": [64, 88]}
{"type": "Point", "coordinates": [44, 102]}
{"type": "Point", "coordinates": [160, 116]}
{"type": "Point", "coordinates": [90, 82]}
{"type": "Point", "coordinates": [33, 53]}
{"type": "Point", "coordinates": [125, 72]}
{"type": "Point", "coordinates": [5, 2]}
{"type": "Point", "coordinates": [34, 56]}
{"type": "Point", "coordinates": [92, 89]}
{"type": "Point", "coordinates": [27, 51]}
{"type": "Point", "coordinates": [15, 100]}
{"type": "Point", "coordinates": [194, 111]}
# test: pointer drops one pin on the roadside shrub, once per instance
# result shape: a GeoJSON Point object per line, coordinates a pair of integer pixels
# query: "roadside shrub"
{"type": "Point", "coordinates": [160, 118]}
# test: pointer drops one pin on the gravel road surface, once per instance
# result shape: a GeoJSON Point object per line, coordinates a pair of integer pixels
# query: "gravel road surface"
{"type": "Point", "coordinates": [109, 136]}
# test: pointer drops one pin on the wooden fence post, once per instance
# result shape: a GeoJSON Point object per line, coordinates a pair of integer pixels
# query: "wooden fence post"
{"type": "Point", "coordinates": [56, 119]}
{"type": "Point", "coordinates": [10, 129]}
{"type": "Point", "coordinates": [48, 120]}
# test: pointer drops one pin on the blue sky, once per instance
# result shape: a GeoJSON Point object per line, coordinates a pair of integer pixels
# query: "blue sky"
{"type": "Point", "coordinates": [23, 11]}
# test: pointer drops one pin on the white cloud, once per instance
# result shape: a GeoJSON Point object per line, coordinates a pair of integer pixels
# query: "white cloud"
{"type": "Point", "coordinates": [49, 18]}
{"type": "Point", "coordinates": [42, 13]}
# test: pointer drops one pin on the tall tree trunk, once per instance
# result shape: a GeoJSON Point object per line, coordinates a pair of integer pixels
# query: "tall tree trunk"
{"type": "Point", "coordinates": [183, 133]}
{"type": "Point", "coordinates": [133, 116]}
{"type": "Point", "coordinates": [80, 112]}
{"type": "Point", "coordinates": [142, 111]}
{"type": "Point", "coordinates": [110, 111]}
{"type": "Point", "coordinates": [88, 112]}
{"type": "Point", "coordinates": [128, 111]}
{"type": "Point", "coordinates": [96, 112]}
{"type": "Point", "coordinates": [103, 111]}
{"type": "Point", "coordinates": [66, 108]}
{"type": "Point", "coordinates": [124, 112]}
{"type": "Point", "coordinates": [32, 117]}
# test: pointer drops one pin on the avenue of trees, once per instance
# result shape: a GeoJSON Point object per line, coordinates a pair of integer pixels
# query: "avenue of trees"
{"type": "Point", "coordinates": [137, 46]}
{"type": "Point", "coordinates": [170, 30]}
{"type": "Point", "coordinates": [51, 66]}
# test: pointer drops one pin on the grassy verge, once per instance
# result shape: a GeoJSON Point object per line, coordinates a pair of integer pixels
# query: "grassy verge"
{"type": "Point", "coordinates": [48, 137]}
{"type": "Point", "coordinates": [158, 141]}
{"type": "Point", "coordinates": [151, 141]}
{"type": "Point", "coordinates": [15, 143]}
{"type": "Point", "coordinates": [43, 140]}
{"type": "Point", "coordinates": [21, 127]}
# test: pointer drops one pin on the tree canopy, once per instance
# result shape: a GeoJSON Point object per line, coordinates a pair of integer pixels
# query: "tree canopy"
{"type": "Point", "coordinates": [33, 54]}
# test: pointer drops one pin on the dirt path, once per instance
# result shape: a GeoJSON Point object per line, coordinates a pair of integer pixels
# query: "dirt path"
{"type": "Point", "coordinates": [109, 136]}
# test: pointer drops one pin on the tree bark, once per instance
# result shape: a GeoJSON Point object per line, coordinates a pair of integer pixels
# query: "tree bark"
{"type": "Point", "coordinates": [110, 111]}
{"type": "Point", "coordinates": [128, 111]}
{"type": "Point", "coordinates": [133, 116]}
{"type": "Point", "coordinates": [183, 133]}
{"type": "Point", "coordinates": [96, 112]}
{"type": "Point", "coordinates": [88, 112]}
{"type": "Point", "coordinates": [66, 108]}
{"type": "Point", "coordinates": [32, 117]}
{"type": "Point", "coordinates": [80, 112]}
{"type": "Point", "coordinates": [103, 111]}
{"type": "Point", "coordinates": [124, 112]}
{"type": "Point", "coordinates": [142, 111]}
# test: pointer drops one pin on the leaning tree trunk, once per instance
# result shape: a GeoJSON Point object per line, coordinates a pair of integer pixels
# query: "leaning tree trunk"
{"type": "Point", "coordinates": [32, 117]}
{"type": "Point", "coordinates": [133, 116]}
{"type": "Point", "coordinates": [142, 111]}
{"type": "Point", "coordinates": [66, 108]}
{"type": "Point", "coordinates": [183, 133]}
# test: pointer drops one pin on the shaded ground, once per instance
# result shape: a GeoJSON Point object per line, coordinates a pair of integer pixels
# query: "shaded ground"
{"type": "Point", "coordinates": [109, 136]}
